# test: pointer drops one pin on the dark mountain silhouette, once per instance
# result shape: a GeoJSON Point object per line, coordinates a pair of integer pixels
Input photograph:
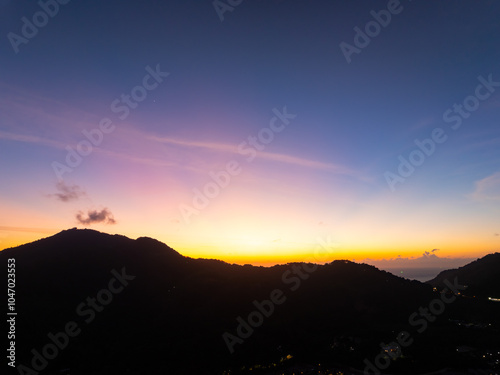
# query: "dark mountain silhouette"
{"type": "Point", "coordinates": [482, 276]}
{"type": "Point", "coordinates": [171, 311]}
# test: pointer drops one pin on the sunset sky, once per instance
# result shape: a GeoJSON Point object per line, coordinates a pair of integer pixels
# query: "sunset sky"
{"type": "Point", "coordinates": [330, 129]}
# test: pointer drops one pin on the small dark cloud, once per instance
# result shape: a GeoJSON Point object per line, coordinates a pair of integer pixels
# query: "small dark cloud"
{"type": "Point", "coordinates": [430, 253]}
{"type": "Point", "coordinates": [496, 234]}
{"type": "Point", "coordinates": [68, 192]}
{"type": "Point", "coordinates": [94, 216]}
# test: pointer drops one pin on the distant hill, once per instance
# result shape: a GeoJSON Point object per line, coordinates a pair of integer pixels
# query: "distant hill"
{"type": "Point", "coordinates": [171, 311]}
{"type": "Point", "coordinates": [482, 276]}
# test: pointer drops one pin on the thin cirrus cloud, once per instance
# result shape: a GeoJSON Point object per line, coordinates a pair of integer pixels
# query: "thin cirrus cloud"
{"type": "Point", "coordinates": [210, 146]}
{"type": "Point", "coordinates": [62, 146]}
{"type": "Point", "coordinates": [31, 139]}
{"type": "Point", "coordinates": [103, 216]}
{"type": "Point", "coordinates": [31, 113]}
{"type": "Point", "coordinates": [487, 189]}
{"type": "Point", "coordinates": [58, 121]}
{"type": "Point", "coordinates": [277, 157]}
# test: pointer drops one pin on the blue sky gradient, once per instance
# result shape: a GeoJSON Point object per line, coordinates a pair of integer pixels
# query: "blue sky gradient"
{"type": "Point", "coordinates": [323, 175]}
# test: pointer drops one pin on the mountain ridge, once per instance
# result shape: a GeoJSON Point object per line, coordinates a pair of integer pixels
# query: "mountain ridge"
{"type": "Point", "coordinates": [481, 276]}
{"type": "Point", "coordinates": [175, 306]}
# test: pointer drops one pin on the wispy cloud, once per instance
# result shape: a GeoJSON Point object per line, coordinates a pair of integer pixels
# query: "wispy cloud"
{"type": "Point", "coordinates": [31, 139]}
{"type": "Point", "coordinates": [27, 112]}
{"type": "Point", "coordinates": [68, 192]}
{"type": "Point", "coordinates": [427, 259]}
{"type": "Point", "coordinates": [53, 117]}
{"type": "Point", "coordinates": [492, 142]}
{"type": "Point", "coordinates": [138, 159]}
{"type": "Point", "coordinates": [487, 189]}
{"type": "Point", "coordinates": [209, 146]}
{"type": "Point", "coordinates": [214, 146]}
{"type": "Point", "coordinates": [423, 123]}
{"type": "Point", "coordinates": [62, 146]}
{"type": "Point", "coordinates": [277, 157]}
{"type": "Point", "coordinates": [94, 216]}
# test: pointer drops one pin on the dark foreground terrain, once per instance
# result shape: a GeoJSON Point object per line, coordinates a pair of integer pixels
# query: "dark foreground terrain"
{"type": "Point", "coordinates": [93, 303]}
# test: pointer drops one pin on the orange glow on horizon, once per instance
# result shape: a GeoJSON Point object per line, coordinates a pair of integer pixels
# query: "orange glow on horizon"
{"type": "Point", "coordinates": [259, 252]}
